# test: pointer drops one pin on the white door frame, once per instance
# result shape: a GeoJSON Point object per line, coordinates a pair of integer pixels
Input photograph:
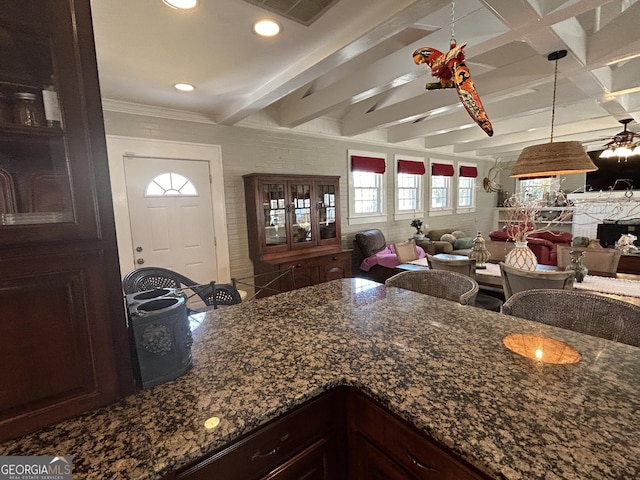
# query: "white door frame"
{"type": "Point", "coordinates": [119, 147]}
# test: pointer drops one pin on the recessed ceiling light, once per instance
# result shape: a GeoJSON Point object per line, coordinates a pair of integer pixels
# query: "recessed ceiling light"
{"type": "Point", "coordinates": [181, 4]}
{"type": "Point", "coordinates": [267, 28]}
{"type": "Point", "coordinates": [184, 87]}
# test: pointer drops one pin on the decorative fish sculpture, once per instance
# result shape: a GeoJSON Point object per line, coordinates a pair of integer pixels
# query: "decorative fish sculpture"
{"type": "Point", "coordinates": [451, 71]}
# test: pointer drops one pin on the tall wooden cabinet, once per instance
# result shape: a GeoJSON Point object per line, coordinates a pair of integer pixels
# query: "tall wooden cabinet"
{"type": "Point", "coordinates": [293, 222]}
{"type": "Point", "coordinates": [63, 335]}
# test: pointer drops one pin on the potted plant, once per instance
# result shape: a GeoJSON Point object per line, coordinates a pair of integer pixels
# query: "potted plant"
{"type": "Point", "coordinates": [417, 224]}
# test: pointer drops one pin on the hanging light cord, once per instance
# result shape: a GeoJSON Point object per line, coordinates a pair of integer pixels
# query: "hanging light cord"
{"type": "Point", "coordinates": [555, 56]}
{"type": "Point", "coordinates": [453, 19]}
{"type": "Point", "coordinates": [553, 102]}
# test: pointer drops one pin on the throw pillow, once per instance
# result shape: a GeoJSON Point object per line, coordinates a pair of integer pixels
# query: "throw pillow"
{"type": "Point", "coordinates": [463, 243]}
{"type": "Point", "coordinates": [436, 234]}
{"type": "Point", "coordinates": [459, 234]}
{"type": "Point", "coordinates": [448, 237]}
{"type": "Point", "coordinates": [406, 251]}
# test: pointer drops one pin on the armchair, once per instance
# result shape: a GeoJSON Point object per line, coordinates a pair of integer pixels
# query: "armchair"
{"type": "Point", "coordinates": [373, 258]}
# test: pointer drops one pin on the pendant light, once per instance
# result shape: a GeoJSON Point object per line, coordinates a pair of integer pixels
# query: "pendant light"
{"type": "Point", "coordinates": [549, 159]}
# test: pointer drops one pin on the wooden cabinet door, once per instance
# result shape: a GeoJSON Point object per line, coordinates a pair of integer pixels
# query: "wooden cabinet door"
{"type": "Point", "coordinates": [272, 221]}
{"type": "Point", "coordinates": [48, 50]}
{"type": "Point", "coordinates": [405, 446]}
{"type": "Point", "coordinates": [307, 443]}
{"type": "Point", "coordinates": [55, 319]}
{"type": "Point", "coordinates": [372, 464]}
{"type": "Point", "coordinates": [303, 226]}
{"type": "Point", "coordinates": [306, 274]}
{"type": "Point", "coordinates": [336, 266]}
{"type": "Point", "coordinates": [328, 211]}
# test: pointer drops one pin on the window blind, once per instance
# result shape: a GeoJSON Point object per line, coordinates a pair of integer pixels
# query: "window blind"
{"type": "Point", "coordinates": [367, 164]}
{"type": "Point", "coordinates": [466, 171]}
{"type": "Point", "coordinates": [442, 170]}
{"type": "Point", "coordinates": [410, 167]}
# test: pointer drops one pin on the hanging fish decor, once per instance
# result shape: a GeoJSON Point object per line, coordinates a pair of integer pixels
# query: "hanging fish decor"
{"type": "Point", "coordinates": [451, 71]}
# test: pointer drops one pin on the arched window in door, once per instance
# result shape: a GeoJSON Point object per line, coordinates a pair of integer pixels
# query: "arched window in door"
{"type": "Point", "coordinates": [170, 184]}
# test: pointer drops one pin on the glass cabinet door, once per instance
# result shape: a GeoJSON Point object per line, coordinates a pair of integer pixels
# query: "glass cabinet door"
{"type": "Point", "coordinates": [327, 211]}
{"type": "Point", "coordinates": [301, 221]}
{"type": "Point", "coordinates": [274, 208]}
{"type": "Point", "coordinates": [34, 170]}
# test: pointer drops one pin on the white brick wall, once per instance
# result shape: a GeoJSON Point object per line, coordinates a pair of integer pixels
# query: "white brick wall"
{"type": "Point", "coordinates": [249, 150]}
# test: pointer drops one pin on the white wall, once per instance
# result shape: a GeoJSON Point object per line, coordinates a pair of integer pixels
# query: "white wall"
{"type": "Point", "coordinates": [248, 150]}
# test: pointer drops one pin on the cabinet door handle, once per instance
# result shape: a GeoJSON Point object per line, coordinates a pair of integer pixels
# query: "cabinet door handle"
{"type": "Point", "coordinates": [259, 454]}
{"type": "Point", "coordinates": [418, 463]}
{"type": "Point", "coordinates": [298, 265]}
{"type": "Point", "coordinates": [335, 258]}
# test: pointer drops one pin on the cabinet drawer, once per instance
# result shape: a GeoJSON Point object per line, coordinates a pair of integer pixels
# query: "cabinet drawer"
{"type": "Point", "coordinates": [270, 446]}
{"type": "Point", "coordinates": [409, 448]}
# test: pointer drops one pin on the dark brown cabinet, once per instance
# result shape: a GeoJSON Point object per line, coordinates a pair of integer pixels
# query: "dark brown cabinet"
{"type": "Point", "coordinates": [340, 435]}
{"type": "Point", "coordinates": [307, 443]}
{"type": "Point", "coordinates": [383, 446]}
{"type": "Point", "coordinates": [293, 223]}
{"type": "Point", "coordinates": [63, 336]}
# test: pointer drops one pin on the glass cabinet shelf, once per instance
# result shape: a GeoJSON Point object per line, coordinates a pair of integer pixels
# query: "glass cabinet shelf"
{"type": "Point", "coordinates": [34, 161]}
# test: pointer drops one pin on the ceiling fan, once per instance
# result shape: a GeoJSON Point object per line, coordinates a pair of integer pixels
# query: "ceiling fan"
{"type": "Point", "coordinates": [623, 144]}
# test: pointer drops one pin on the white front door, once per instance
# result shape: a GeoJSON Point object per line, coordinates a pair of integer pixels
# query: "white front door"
{"type": "Point", "coordinates": [171, 216]}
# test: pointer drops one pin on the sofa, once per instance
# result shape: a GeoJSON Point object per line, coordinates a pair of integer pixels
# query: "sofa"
{"type": "Point", "coordinates": [543, 244]}
{"type": "Point", "coordinates": [446, 240]}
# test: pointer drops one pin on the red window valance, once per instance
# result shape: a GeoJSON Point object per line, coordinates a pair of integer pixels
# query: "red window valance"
{"type": "Point", "coordinates": [411, 167]}
{"type": "Point", "coordinates": [471, 172]}
{"type": "Point", "coordinates": [367, 164]}
{"type": "Point", "coordinates": [442, 170]}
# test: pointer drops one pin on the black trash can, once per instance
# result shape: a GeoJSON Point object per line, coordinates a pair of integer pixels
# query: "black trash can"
{"type": "Point", "coordinates": [160, 335]}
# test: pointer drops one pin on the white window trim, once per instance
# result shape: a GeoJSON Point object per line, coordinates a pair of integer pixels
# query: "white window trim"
{"type": "Point", "coordinates": [361, 219]}
{"type": "Point", "coordinates": [436, 212]}
{"type": "Point", "coordinates": [474, 195]}
{"type": "Point", "coordinates": [407, 214]}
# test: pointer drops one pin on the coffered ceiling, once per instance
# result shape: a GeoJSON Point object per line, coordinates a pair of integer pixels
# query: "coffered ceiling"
{"type": "Point", "coordinates": [352, 67]}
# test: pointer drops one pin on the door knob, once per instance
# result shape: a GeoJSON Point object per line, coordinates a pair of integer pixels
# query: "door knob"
{"type": "Point", "coordinates": [138, 249]}
{"type": "Point", "coordinates": [140, 261]}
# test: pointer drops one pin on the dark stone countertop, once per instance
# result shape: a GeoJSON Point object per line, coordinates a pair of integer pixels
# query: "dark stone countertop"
{"type": "Point", "coordinates": [440, 365]}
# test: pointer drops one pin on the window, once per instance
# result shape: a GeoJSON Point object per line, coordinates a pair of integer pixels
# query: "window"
{"type": "Point", "coordinates": [467, 174]}
{"type": "Point", "coordinates": [533, 188]}
{"type": "Point", "coordinates": [441, 174]}
{"type": "Point", "coordinates": [170, 184]}
{"type": "Point", "coordinates": [409, 172]}
{"type": "Point", "coordinates": [366, 187]}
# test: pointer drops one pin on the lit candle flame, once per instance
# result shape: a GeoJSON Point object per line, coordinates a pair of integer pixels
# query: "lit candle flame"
{"type": "Point", "coordinates": [538, 353]}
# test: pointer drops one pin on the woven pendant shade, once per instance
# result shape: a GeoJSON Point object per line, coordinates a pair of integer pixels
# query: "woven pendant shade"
{"type": "Point", "coordinates": [549, 159]}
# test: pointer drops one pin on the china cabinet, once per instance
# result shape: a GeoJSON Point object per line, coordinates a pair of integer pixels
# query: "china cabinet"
{"type": "Point", "coordinates": [63, 332]}
{"type": "Point", "coordinates": [293, 222]}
